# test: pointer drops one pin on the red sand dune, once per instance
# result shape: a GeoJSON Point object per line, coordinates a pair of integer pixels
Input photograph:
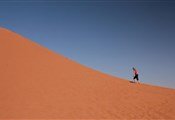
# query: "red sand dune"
{"type": "Point", "coordinates": [38, 83]}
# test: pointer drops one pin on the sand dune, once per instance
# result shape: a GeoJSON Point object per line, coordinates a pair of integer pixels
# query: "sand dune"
{"type": "Point", "coordinates": [38, 83]}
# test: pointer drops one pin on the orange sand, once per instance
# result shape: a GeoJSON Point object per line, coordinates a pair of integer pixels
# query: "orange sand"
{"type": "Point", "coordinates": [38, 83]}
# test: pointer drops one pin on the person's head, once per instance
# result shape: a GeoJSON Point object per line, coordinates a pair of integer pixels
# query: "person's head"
{"type": "Point", "coordinates": [133, 68]}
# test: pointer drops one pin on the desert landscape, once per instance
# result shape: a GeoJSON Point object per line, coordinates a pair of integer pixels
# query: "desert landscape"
{"type": "Point", "coordinates": [37, 83]}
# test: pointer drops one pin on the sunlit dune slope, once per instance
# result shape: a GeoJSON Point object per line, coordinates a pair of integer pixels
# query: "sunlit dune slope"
{"type": "Point", "coordinates": [38, 83]}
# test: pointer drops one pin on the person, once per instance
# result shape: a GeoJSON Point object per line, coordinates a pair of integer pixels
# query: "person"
{"type": "Point", "coordinates": [136, 75]}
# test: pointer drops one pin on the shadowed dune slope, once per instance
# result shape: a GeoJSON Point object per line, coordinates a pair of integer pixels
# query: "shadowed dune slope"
{"type": "Point", "coordinates": [38, 83]}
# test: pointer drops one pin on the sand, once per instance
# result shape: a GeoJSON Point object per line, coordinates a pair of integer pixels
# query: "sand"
{"type": "Point", "coordinates": [40, 84]}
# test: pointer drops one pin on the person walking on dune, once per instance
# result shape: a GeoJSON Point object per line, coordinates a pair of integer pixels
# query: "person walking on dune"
{"type": "Point", "coordinates": [136, 75]}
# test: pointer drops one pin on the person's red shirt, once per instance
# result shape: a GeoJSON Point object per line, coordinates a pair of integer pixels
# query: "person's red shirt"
{"type": "Point", "coordinates": [135, 72]}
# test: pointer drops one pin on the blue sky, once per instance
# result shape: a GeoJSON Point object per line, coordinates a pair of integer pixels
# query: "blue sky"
{"type": "Point", "coordinates": [109, 36]}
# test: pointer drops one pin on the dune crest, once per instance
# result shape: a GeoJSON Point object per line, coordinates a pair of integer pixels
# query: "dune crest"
{"type": "Point", "coordinates": [38, 83]}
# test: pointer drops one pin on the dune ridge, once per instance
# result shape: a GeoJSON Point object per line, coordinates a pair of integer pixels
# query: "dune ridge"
{"type": "Point", "coordinates": [36, 83]}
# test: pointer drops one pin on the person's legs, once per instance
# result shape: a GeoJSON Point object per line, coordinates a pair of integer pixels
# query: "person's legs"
{"type": "Point", "coordinates": [134, 78]}
{"type": "Point", "coordinates": [137, 78]}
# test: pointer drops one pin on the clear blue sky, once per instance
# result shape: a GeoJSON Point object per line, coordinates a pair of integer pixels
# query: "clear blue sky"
{"type": "Point", "coordinates": [110, 36]}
